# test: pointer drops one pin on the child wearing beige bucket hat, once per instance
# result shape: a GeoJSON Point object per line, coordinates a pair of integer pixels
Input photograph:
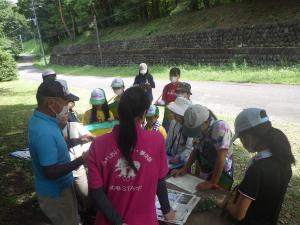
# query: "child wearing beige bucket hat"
{"type": "Point", "coordinates": [178, 146]}
{"type": "Point", "coordinates": [213, 149]}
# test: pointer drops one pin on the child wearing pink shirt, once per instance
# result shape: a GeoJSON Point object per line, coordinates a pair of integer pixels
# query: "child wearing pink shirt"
{"type": "Point", "coordinates": [127, 168]}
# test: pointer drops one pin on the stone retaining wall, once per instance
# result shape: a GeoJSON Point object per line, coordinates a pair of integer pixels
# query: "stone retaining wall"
{"type": "Point", "coordinates": [253, 44]}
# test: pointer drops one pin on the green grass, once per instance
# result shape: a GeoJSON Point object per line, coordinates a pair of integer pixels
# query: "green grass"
{"type": "Point", "coordinates": [18, 204]}
{"type": "Point", "coordinates": [227, 73]}
{"type": "Point", "coordinates": [221, 16]}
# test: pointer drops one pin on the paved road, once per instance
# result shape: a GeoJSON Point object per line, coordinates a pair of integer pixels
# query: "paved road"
{"type": "Point", "coordinates": [282, 102]}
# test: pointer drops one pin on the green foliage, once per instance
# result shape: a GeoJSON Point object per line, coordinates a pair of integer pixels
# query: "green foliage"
{"type": "Point", "coordinates": [8, 68]}
{"type": "Point", "coordinates": [31, 47]}
{"type": "Point", "coordinates": [12, 24]}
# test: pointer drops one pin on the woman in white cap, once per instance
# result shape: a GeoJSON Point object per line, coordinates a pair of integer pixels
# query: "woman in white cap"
{"type": "Point", "coordinates": [118, 87]}
{"type": "Point", "coordinates": [179, 147]}
{"type": "Point", "coordinates": [261, 192]}
{"type": "Point", "coordinates": [99, 111]}
{"type": "Point", "coordinates": [145, 80]}
{"type": "Point", "coordinates": [212, 149]}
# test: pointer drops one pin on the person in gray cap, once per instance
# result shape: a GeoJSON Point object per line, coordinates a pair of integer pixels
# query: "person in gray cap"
{"type": "Point", "coordinates": [184, 90]}
{"type": "Point", "coordinates": [49, 74]}
{"type": "Point", "coordinates": [260, 195]}
{"type": "Point", "coordinates": [213, 148]}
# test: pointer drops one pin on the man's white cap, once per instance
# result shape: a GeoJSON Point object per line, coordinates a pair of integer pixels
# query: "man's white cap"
{"type": "Point", "coordinates": [194, 117]}
{"type": "Point", "coordinates": [179, 105]}
{"type": "Point", "coordinates": [117, 83]}
{"type": "Point", "coordinates": [143, 68]}
{"type": "Point", "coordinates": [247, 119]}
{"type": "Point", "coordinates": [48, 72]}
{"type": "Point", "coordinates": [97, 97]}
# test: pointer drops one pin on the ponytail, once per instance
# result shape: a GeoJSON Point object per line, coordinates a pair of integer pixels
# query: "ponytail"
{"type": "Point", "coordinates": [279, 145]}
{"type": "Point", "coordinates": [133, 103]}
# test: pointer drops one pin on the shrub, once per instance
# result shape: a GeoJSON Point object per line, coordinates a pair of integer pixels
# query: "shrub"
{"type": "Point", "coordinates": [8, 67]}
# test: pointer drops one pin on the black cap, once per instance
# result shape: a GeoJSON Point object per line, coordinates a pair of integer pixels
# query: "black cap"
{"type": "Point", "coordinates": [56, 88]}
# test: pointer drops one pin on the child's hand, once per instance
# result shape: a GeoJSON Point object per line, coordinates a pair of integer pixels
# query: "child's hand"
{"type": "Point", "coordinates": [204, 186]}
{"type": "Point", "coordinates": [180, 172]}
{"type": "Point", "coordinates": [110, 119]}
{"type": "Point", "coordinates": [170, 215]}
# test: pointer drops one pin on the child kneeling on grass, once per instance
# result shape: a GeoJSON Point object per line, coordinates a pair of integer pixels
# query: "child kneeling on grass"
{"type": "Point", "coordinates": [152, 121]}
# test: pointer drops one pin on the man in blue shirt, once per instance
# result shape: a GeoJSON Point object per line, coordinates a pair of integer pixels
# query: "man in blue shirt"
{"type": "Point", "coordinates": [51, 162]}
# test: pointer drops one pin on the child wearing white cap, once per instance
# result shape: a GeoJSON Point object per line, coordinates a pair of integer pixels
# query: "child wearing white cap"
{"type": "Point", "coordinates": [145, 80]}
{"type": "Point", "coordinates": [179, 147]}
{"type": "Point", "coordinates": [259, 196]}
{"type": "Point", "coordinates": [99, 111]}
{"type": "Point", "coordinates": [152, 121]}
{"type": "Point", "coordinates": [212, 148]}
{"type": "Point", "coordinates": [118, 87]}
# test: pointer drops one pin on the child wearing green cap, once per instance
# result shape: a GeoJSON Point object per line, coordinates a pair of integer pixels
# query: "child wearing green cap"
{"type": "Point", "coordinates": [152, 121]}
{"type": "Point", "coordinates": [118, 87]}
{"type": "Point", "coordinates": [99, 111]}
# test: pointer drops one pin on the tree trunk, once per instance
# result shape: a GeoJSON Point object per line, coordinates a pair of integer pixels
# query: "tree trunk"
{"type": "Point", "coordinates": [206, 4]}
{"type": "Point", "coordinates": [144, 13]}
{"type": "Point", "coordinates": [73, 26]}
{"type": "Point", "coordinates": [63, 20]}
{"type": "Point", "coordinates": [155, 9]}
{"type": "Point", "coordinates": [194, 5]}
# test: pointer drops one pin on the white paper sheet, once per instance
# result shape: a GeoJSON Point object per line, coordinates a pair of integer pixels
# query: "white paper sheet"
{"type": "Point", "coordinates": [186, 182]}
{"type": "Point", "coordinates": [182, 203]}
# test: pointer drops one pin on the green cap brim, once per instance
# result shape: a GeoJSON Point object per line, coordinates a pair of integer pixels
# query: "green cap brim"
{"type": "Point", "coordinates": [97, 102]}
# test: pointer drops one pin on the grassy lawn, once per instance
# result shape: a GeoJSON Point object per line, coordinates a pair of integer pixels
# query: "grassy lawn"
{"type": "Point", "coordinates": [227, 73]}
{"type": "Point", "coordinates": [18, 203]}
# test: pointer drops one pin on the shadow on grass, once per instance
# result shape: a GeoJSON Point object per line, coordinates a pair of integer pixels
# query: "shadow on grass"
{"type": "Point", "coordinates": [18, 204]}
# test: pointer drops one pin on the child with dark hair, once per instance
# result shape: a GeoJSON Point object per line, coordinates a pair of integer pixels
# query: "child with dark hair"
{"type": "Point", "coordinates": [260, 195]}
{"type": "Point", "coordinates": [169, 95]}
{"type": "Point", "coordinates": [127, 168]}
{"type": "Point", "coordinates": [100, 111]}
{"type": "Point", "coordinates": [118, 87]}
